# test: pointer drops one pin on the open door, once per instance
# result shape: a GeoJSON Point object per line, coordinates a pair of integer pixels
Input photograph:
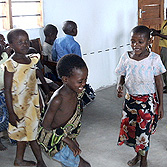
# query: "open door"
{"type": "Point", "coordinates": [151, 14]}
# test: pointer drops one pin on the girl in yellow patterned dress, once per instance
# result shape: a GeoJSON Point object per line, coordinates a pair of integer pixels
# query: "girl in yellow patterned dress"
{"type": "Point", "coordinates": [22, 98]}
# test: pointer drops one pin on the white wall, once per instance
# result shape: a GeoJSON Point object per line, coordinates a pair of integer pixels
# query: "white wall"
{"type": "Point", "coordinates": [102, 25]}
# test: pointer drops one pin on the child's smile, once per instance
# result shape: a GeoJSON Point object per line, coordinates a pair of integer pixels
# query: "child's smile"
{"type": "Point", "coordinates": [139, 43]}
{"type": "Point", "coordinates": [77, 81]}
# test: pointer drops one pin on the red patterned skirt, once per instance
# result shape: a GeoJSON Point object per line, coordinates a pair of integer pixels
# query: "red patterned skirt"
{"type": "Point", "coordinates": [139, 121]}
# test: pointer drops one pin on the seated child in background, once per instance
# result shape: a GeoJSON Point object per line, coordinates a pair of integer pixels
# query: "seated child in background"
{"type": "Point", "coordinates": [50, 32]}
{"type": "Point", "coordinates": [5, 52]}
{"type": "Point", "coordinates": [22, 97]}
{"type": "Point", "coordinates": [4, 46]}
{"type": "Point", "coordinates": [67, 44]}
{"type": "Point", "coordinates": [61, 123]}
{"type": "Point", "coordinates": [3, 109]}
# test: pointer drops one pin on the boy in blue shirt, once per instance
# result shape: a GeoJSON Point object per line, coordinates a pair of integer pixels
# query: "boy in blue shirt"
{"type": "Point", "coordinates": [66, 44]}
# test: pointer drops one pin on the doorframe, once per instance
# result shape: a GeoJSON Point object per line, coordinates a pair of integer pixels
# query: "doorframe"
{"type": "Point", "coordinates": [164, 15]}
{"type": "Point", "coordinates": [162, 18]}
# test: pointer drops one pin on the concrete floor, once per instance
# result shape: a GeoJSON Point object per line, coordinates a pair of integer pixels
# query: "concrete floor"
{"type": "Point", "coordinates": [98, 137]}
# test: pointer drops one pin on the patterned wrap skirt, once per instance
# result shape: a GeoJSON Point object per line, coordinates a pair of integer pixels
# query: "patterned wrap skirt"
{"type": "Point", "coordinates": [139, 121]}
{"type": "Point", "coordinates": [3, 113]}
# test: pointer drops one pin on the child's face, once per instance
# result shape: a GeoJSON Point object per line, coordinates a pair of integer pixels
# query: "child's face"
{"type": "Point", "coordinates": [139, 43]}
{"type": "Point", "coordinates": [77, 81]}
{"type": "Point", "coordinates": [21, 44]}
{"type": "Point", "coordinates": [75, 30]}
{"type": "Point", "coordinates": [53, 37]}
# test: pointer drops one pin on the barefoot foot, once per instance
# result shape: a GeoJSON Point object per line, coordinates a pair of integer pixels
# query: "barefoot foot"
{"type": "Point", "coordinates": [2, 147]}
{"type": "Point", "coordinates": [24, 163]}
{"type": "Point", "coordinates": [134, 161]}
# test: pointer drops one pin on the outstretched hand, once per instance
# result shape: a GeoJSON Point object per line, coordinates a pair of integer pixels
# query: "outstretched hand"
{"type": "Point", "coordinates": [13, 119]}
{"type": "Point", "coordinates": [74, 146]}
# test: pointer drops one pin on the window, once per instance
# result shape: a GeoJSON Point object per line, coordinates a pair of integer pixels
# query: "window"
{"type": "Point", "coordinates": [20, 14]}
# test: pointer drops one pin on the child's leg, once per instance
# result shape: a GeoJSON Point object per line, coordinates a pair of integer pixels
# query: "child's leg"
{"type": "Point", "coordinates": [2, 147]}
{"type": "Point", "coordinates": [83, 163]}
{"type": "Point", "coordinates": [143, 162]}
{"type": "Point", "coordinates": [19, 161]}
{"type": "Point", "coordinates": [37, 153]}
{"type": "Point", "coordinates": [134, 161]}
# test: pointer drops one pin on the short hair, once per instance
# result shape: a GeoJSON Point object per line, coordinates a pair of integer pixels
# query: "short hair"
{"type": "Point", "coordinates": [14, 33]}
{"type": "Point", "coordinates": [142, 30]}
{"type": "Point", "coordinates": [68, 26]}
{"type": "Point", "coordinates": [49, 28]}
{"type": "Point", "coordinates": [69, 62]}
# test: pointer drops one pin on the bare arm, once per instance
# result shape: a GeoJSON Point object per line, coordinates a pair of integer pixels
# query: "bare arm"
{"type": "Point", "coordinates": [54, 105]}
{"type": "Point", "coordinates": [158, 33]}
{"type": "Point", "coordinates": [120, 86]}
{"type": "Point", "coordinates": [159, 87]}
{"type": "Point", "coordinates": [73, 145]}
{"type": "Point", "coordinates": [8, 79]}
{"type": "Point", "coordinates": [162, 36]}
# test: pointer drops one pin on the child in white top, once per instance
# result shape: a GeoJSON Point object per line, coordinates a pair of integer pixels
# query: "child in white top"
{"type": "Point", "coordinates": [50, 32]}
{"type": "Point", "coordinates": [140, 71]}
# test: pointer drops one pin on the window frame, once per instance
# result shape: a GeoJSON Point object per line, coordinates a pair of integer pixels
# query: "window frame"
{"type": "Point", "coordinates": [8, 17]}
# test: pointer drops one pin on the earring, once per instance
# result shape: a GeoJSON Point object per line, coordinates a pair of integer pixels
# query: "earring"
{"type": "Point", "coordinates": [148, 48]}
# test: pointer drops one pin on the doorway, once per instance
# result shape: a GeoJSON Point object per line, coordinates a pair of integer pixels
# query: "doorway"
{"type": "Point", "coordinates": [151, 14]}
